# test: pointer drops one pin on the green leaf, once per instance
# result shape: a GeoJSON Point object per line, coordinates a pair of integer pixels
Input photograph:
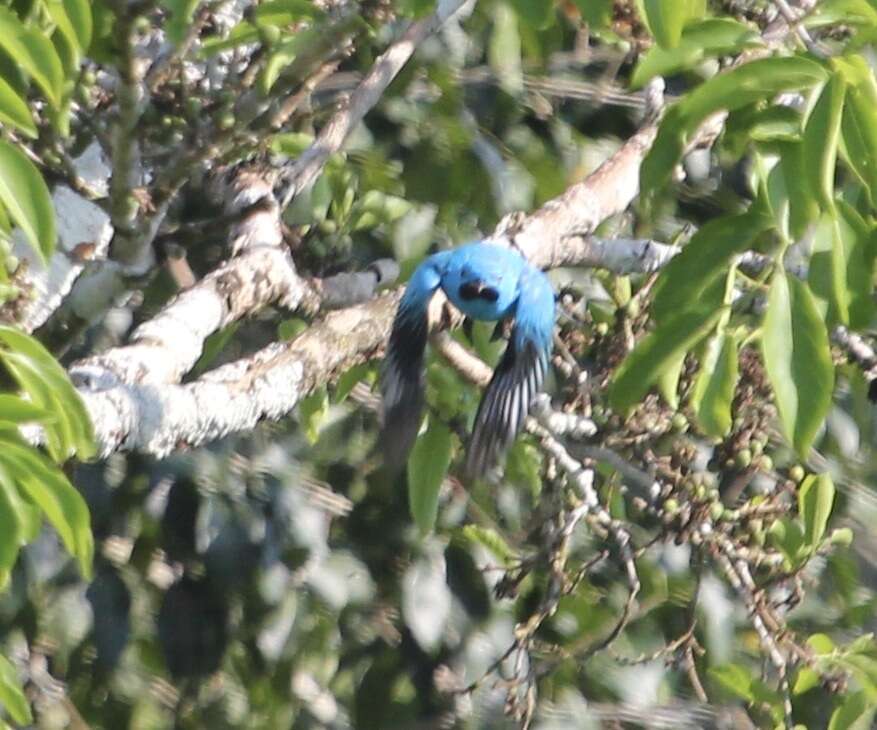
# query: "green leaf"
{"type": "Point", "coordinates": [841, 267]}
{"type": "Point", "coordinates": [735, 89]}
{"type": "Point", "coordinates": [705, 39]}
{"type": "Point", "coordinates": [312, 411]}
{"type": "Point", "coordinates": [17, 410]}
{"type": "Point", "coordinates": [860, 252]}
{"type": "Point", "coordinates": [348, 380]}
{"type": "Point", "coordinates": [668, 381]}
{"type": "Point", "coordinates": [815, 500]}
{"type": "Point", "coordinates": [821, 136]}
{"type": "Point", "coordinates": [537, 14]}
{"type": "Point", "coordinates": [797, 358]}
{"type": "Point", "coordinates": [63, 506]}
{"type": "Point", "coordinates": [806, 680]}
{"type": "Point", "coordinates": [859, 123]}
{"type": "Point", "coordinates": [427, 466]}
{"type": "Point", "coordinates": [735, 678]}
{"type": "Point", "coordinates": [11, 695]}
{"type": "Point", "coordinates": [71, 48]}
{"type": "Point", "coordinates": [596, 13]}
{"type": "Point", "coordinates": [47, 383]}
{"type": "Point", "coordinates": [25, 196]}
{"type": "Point", "coordinates": [855, 713]}
{"type": "Point", "coordinates": [504, 50]}
{"type": "Point", "coordinates": [665, 19]}
{"type": "Point", "coordinates": [79, 14]}
{"type": "Point", "coordinates": [11, 527]}
{"type": "Point", "coordinates": [704, 259]}
{"type": "Point", "coordinates": [821, 644]}
{"type": "Point", "coordinates": [713, 410]}
{"type": "Point", "coordinates": [284, 53]}
{"type": "Point", "coordinates": [181, 18]}
{"type": "Point", "coordinates": [29, 516]}
{"type": "Point", "coordinates": [657, 351]}
{"type": "Point", "coordinates": [827, 272]}
{"type": "Point", "coordinates": [787, 536]}
{"type": "Point", "coordinates": [493, 541]}
{"type": "Point", "coordinates": [34, 52]}
{"type": "Point", "coordinates": [803, 207]}
{"type": "Point", "coordinates": [14, 110]}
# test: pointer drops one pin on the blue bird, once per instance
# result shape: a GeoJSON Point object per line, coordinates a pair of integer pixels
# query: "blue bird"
{"type": "Point", "coordinates": [485, 282]}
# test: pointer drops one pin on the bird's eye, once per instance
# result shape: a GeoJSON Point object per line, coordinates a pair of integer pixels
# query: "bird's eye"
{"type": "Point", "coordinates": [469, 291]}
{"type": "Point", "coordinates": [476, 290]}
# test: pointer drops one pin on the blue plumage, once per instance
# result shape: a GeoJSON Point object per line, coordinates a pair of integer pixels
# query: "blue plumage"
{"type": "Point", "coordinates": [486, 282]}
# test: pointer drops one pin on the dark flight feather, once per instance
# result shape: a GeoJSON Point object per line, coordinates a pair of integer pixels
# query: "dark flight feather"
{"type": "Point", "coordinates": [505, 405]}
{"type": "Point", "coordinates": [402, 386]}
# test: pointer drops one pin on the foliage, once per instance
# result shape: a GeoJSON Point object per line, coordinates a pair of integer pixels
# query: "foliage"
{"type": "Point", "coordinates": [281, 578]}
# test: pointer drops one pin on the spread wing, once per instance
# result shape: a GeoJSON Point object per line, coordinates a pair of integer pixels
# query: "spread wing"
{"type": "Point", "coordinates": [518, 377]}
{"type": "Point", "coordinates": [402, 373]}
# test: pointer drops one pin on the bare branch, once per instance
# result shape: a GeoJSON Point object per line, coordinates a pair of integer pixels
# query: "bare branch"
{"type": "Point", "coordinates": [307, 167]}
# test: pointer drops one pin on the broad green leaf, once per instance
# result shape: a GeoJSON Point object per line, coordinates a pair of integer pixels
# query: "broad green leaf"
{"type": "Point", "coordinates": [25, 196]}
{"type": "Point", "coordinates": [704, 259]}
{"type": "Point", "coordinates": [18, 410]}
{"type": "Point", "coordinates": [493, 541]}
{"type": "Point", "coordinates": [848, 12]}
{"type": "Point", "coordinates": [761, 124]}
{"type": "Point", "coordinates": [859, 124]}
{"type": "Point", "coordinates": [11, 527]}
{"type": "Point", "coordinates": [11, 695]}
{"type": "Point", "coordinates": [348, 380]}
{"type": "Point", "coordinates": [815, 500]}
{"type": "Point", "coordinates": [46, 485]}
{"type": "Point", "coordinates": [705, 39]}
{"type": "Point", "coordinates": [735, 678]}
{"type": "Point", "coordinates": [427, 467]}
{"type": "Point", "coordinates": [665, 19]}
{"type": "Point", "coordinates": [29, 359]}
{"type": "Point", "coordinates": [821, 135]}
{"type": "Point", "coordinates": [855, 713]}
{"type": "Point", "coordinates": [537, 14]}
{"type": "Point", "coordinates": [657, 351]}
{"type": "Point", "coordinates": [797, 357]}
{"type": "Point", "coordinates": [596, 13]}
{"type": "Point", "coordinates": [504, 50]}
{"type": "Point", "coordinates": [827, 273]}
{"type": "Point", "coordinates": [181, 17]}
{"type": "Point", "coordinates": [34, 52]}
{"type": "Point", "coordinates": [79, 14]}
{"type": "Point", "coordinates": [803, 206]}
{"type": "Point", "coordinates": [312, 411]}
{"type": "Point", "coordinates": [821, 644]}
{"type": "Point", "coordinates": [668, 381]}
{"type": "Point", "coordinates": [29, 515]}
{"type": "Point", "coordinates": [787, 536]}
{"type": "Point", "coordinates": [735, 89]}
{"type": "Point", "coordinates": [713, 408]}
{"type": "Point", "coordinates": [14, 110]}
{"type": "Point", "coordinates": [283, 54]}
{"type": "Point", "coordinates": [58, 432]}
{"type": "Point", "coordinates": [70, 49]}
{"type": "Point", "coordinates": [806, 680]}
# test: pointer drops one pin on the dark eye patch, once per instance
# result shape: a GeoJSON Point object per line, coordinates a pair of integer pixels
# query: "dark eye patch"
{"type": "Point", "coordinates": [476, 290]}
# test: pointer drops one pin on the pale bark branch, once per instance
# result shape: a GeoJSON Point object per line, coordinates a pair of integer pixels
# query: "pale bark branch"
{"type": "Point", "coordinates": [160, 418]}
